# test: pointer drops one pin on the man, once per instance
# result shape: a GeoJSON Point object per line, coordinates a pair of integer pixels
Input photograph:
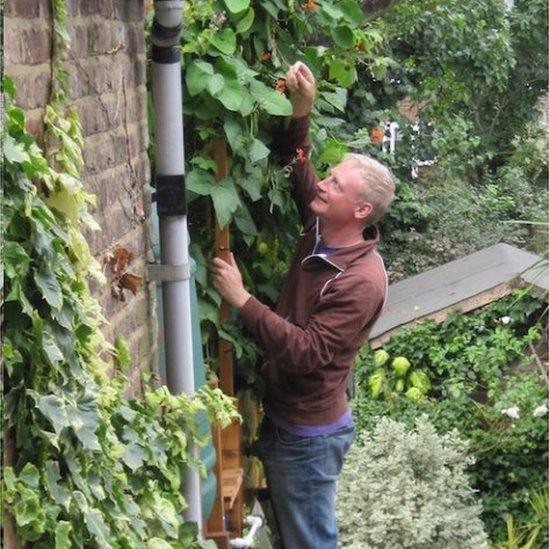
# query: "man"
{"type": "Point", "coordinates": [333, 294]}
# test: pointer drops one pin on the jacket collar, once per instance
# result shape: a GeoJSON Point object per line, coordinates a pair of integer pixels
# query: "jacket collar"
{"type": "Point", "coordinates": [342, 258]}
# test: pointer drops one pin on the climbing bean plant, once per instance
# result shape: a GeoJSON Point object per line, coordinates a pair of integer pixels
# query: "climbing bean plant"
{"type": "Point", "coordinates": [235, 57]}
{"type": "Point", "coordinates": [86, 466]}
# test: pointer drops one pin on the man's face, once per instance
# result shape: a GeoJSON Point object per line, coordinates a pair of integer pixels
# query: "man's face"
{"type": "Point", "coordinates": [338, 196]}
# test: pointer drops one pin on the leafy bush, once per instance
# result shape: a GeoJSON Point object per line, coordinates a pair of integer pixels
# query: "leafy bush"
{"type": "Point", "coordinates": [409, 489]}
{"type": "Point", "coordinates": [469, 359]}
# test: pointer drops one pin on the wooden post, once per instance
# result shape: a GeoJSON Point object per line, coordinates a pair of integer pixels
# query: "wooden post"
{"type": "Point", "coordinates": [229, 441]}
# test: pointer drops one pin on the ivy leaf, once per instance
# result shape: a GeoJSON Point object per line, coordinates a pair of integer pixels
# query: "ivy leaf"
{"type": "Point", "coordinates": [29, 475]}
{"type": "Point", "coordinates": [49, 287]}
{"type": "Point", "coordinates": [343, 37]}
{"type": "Point", "coordinates": [62, 533]}
{"type": "Point", "coordinates": [53, 408]}
{"type": "Point", "coordinates": [169, 519]}
{"type": "Point", "coordinates": [97, 527]}
{"type": "Point", "coordinates": [224, 41]}
{"type": "Point", "coordinates": [52, 477]}
{"type": "Point", "coordinates": [236, 6]}
{"type": "Point", "coordinates": [258, 151]}
{"type": "Point", "coordinates": [14, 151]}
{"type": "Point", "coordinates": [29, 510]}
{"type": "Point", "coordinates": [343, 72]}
{"type": "Point", "coordinates": [54, 354]}
{"type": "Point", "coordinates": [197, 76]}
{"type": "Point", "coordinates": [134, 456]}
{"type": "Point", "coordinates": [16, 260]}
{"type": "Point", "coordinates": [225, 200]}
{"type": "Point", "coordinates": [246, 22]}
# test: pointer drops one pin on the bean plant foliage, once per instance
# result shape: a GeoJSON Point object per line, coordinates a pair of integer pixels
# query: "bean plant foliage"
{"type": "Point", "coordinates": [235, 57]}
{"type": "Point", "coordinates": [86, 466]}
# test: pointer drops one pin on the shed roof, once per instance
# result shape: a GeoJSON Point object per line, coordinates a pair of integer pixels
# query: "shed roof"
{"type": "Point", "coordinates": [463, 284]}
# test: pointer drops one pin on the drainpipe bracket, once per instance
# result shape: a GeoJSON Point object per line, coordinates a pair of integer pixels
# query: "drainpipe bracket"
{"type": "Point", "coordinates": [168, 273]}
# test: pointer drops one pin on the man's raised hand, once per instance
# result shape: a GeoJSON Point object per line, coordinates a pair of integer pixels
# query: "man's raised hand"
{"type": "Point", "coordinates": [301, 83]}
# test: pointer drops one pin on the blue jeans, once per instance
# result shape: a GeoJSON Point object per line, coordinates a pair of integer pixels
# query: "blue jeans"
{"type": "Point", "coordinates": [302, 476]}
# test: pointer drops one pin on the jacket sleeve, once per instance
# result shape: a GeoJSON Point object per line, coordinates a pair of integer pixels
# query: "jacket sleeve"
{"type": "Point", "coordinates": [303, 176]}
{"type": "Point", "coordinates": [338, 318]}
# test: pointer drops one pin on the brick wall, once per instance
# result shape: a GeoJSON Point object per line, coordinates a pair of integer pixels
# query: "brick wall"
{"type": "Point", "coordinates": [107, 86]}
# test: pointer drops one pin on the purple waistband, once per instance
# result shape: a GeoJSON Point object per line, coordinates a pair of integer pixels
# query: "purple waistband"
{"type": "Point", "coordinates": [346, 420]}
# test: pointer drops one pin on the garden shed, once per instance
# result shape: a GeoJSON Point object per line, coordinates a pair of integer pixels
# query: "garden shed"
{"type": "Point", "coordinates": [464, 284]}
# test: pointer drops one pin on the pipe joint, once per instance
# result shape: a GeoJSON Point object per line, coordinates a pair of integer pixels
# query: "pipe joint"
{"type": "Point", "coordinates": [171, 195]}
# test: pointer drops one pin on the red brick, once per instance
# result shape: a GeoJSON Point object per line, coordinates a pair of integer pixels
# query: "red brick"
{"type": "Point", "coordinates": [27, 9]}
{"type": "Point", "coordinates": [32, 85]}
{"type": "Point", "coordinates": [129, 10]}
{"type": "Point", "coordinates": [28, 46]}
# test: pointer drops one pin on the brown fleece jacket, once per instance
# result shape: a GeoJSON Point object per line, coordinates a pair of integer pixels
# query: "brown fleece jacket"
{"type": "Point", "coordinates": [324, 313]}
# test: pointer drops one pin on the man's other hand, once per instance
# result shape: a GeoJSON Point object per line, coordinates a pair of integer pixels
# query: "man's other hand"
{"type": "Point", "coordinates": [301, 83]}
{"type": "Point", "coordinates": [227, 280]}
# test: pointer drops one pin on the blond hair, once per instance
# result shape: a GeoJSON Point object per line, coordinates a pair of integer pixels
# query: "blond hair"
{"type": "Point", "coordinates": [378, 187]}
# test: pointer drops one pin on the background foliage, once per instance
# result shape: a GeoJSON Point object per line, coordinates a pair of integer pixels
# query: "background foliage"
{"type": "Point", "coordinates": [473, 362]}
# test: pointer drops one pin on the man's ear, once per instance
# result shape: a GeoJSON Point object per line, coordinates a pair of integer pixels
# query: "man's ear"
{"type": "Point", "coordinates": [363, 211]}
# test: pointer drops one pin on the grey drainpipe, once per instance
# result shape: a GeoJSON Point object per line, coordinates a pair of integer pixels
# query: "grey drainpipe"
{"type": "Point", "coordinates": [172, 212]}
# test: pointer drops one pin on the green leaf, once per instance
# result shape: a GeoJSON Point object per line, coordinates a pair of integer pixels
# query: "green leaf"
{"type": "Point", "coordinates": [331, 11]}
{"type": "Point", "coordinates": [235, 97]}
{"type": "Point", "coordinates": [197, 76]}
{"type": "Point", "coordinates": [134, 456]}
{"type": "Point", "coordinates": [9, 87]}
{"type": "Point", "coordinates": [343, 37]}
{"type": "Point", "coordinates": [352, 12]}
{"type": "Point", "coordinates": [233, 131]}
{"type": "Point", "coordinates": [225, 200]}
{"type": "Point", "coordinates": [97, 527]}
{"type": "Point", "coordinates": [16, 260]}
{"type": "Point", "coordinates": [122, 353]}
{"type": "Point", "coordinates": [59, 492]}
{"type": "Point", "coordinates": [14, 151]}
{"type": "Point", "coordinates": [53, 408]}
{"type": "Point", "coordinates": [224, 41]}
{"type": "Point", "coordinates": [236, 6]}
{"type": "Point", "coordinates": [49, 287]}
{"type": "Point", "coordinates": [29, 475]}
{"type": "Point", "coordinates": [62, 535]}
{"type": "Point", "coordinates": [29, 511]}
{"type": "Point", "coordinates": [215, 84]}
{"type": "Point", "coordinates": [333, 152]}
{"type": "Point", "coordinates": [343, 72]}
{"type": "Point", "coordinates": [246, 22]}
{"type": "Point", "coordinates": [258, 151]}
{"type": "Point", "coordinates": [271, 101]}
{"type": "Point", "coordinates": [244, 221]}
{"type": "Point", "coordinates": [338, 99]}
{"type": "Point", "coordinates": [200, 182]}
{"type": "Point", "coordinates": [253, 182]}
{"type": "Point", "coordinates": [54, 354]}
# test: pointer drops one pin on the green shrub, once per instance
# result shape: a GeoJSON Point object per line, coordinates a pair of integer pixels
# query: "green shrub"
{"type": "Point", "coordinates": [406, 488]}
{"type": "Point", "coordinates": [469, 358]}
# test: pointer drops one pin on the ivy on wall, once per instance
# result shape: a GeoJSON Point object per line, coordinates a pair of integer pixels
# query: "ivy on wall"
{"type": "Point", "coordinates": [90, 467]}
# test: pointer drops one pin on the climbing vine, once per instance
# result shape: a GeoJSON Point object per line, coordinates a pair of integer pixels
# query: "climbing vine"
{"type": "Point", "coordinates": [87, 466]}
{"type": "Point", "coordinates": [235, 57]}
